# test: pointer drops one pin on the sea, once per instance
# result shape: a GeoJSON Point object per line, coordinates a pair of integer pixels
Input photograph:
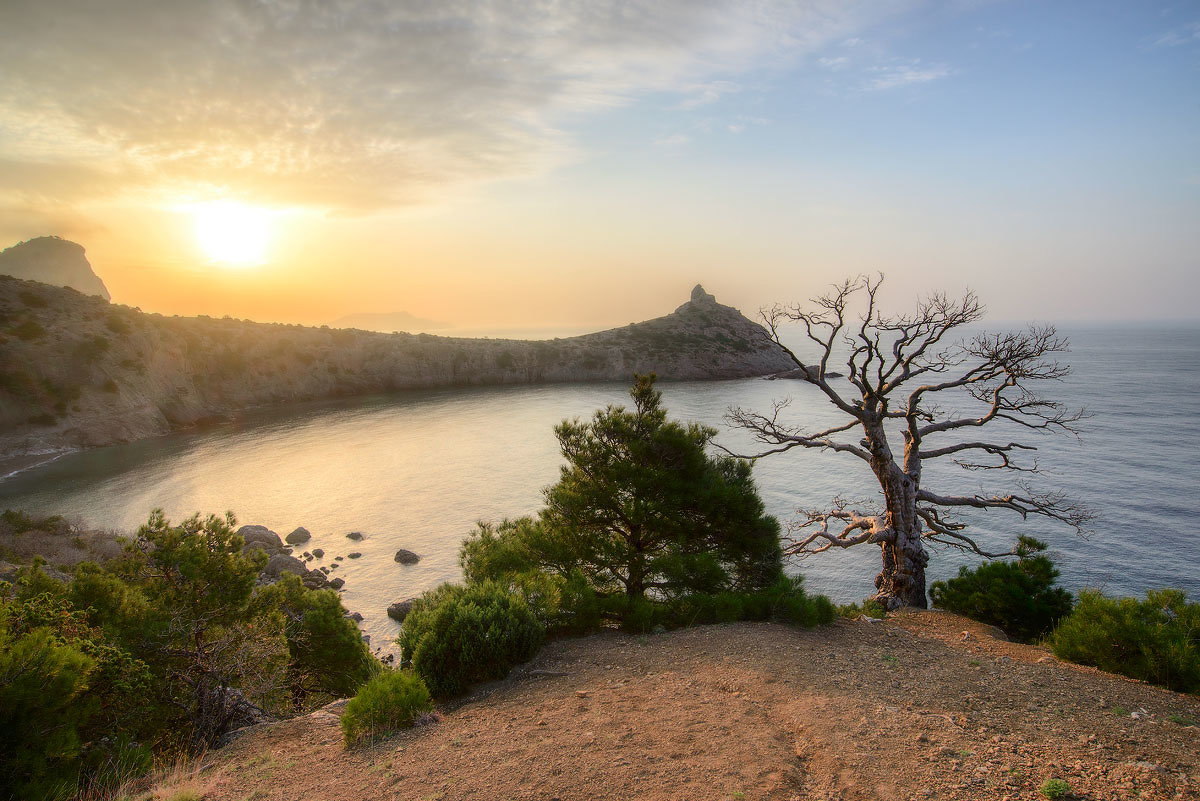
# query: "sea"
{"type": "Point", "coordinates": [419, 469]}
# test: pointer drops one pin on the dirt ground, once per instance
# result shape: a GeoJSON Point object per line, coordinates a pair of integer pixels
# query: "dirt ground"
{"type": "Point", "coordinates": [923, 706]}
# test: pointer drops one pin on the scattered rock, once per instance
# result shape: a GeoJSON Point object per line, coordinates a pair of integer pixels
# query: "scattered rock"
{"type": "Point", "coordinates": [355, 616]}
{"type": "Point", "coordinates": [315, 580]}
{"type": "Point", "coordinates": [399, 610]}
{"type": "Point", "coordinates": [337, 583]}
{"type": "Point", "coordinates": [298, 536]}
{"type": "Point", "coordinates": [406, 557]}
{"type": "Point", "coordinates": [319, 553]}
{"type": "Point", "coordinates": [339, 558]}
{"type": "Point", "coordinates": [260, 537]}
{"type": "Point", "coordinates": [281, 563]}
{"type": "Point", "coordinates": [356, 536]}
{"type": "Point", "coordinates": [353, 555]}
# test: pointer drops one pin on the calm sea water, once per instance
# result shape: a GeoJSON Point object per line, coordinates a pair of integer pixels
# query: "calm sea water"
{"type": "Point", "coordinates": [417, 470]}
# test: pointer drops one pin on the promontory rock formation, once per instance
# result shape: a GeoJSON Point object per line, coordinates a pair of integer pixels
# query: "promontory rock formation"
{"type": "Point", "coordinates": [76, 371]}
{"type": "Point", "coordinates": [53, 261]}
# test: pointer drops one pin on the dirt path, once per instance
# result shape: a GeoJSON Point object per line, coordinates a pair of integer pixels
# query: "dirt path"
{"type": "Point", "coordinates": [906, 709]}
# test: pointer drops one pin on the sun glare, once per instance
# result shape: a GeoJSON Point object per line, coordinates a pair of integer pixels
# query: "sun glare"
{"type": "Point", "coordinates": [233, 234]}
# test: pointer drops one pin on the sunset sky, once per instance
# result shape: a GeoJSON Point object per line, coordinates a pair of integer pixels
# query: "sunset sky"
{"type": "Point", "coordinates": [581, 164]}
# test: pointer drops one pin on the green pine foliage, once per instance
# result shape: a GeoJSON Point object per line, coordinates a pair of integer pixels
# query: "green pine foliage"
{"type": "Point", "coordinates": [393, 700]}
{"type": "Point", "coordinates": [1020, 597]}
{"type": "Point", "coordinates": [643, 528]}
{"type": "Point", "coordinates": [456, 636]}
{"type": "Point", "coordinates": [154, 652]}
{"type": "Point", "coordinates": [641, 507]}
{"type": "Point", "coordinates": [1155, 640]}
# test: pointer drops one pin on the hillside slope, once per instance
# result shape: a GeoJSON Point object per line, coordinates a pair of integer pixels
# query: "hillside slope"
{"type": "Point", "coordinates": [904, 709]}
{"type": "Point", "coordinates": [76, 371]}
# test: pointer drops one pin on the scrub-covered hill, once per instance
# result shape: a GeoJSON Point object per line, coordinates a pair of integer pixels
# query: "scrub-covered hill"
{"type": "Point", "coordinates": [77, 371]}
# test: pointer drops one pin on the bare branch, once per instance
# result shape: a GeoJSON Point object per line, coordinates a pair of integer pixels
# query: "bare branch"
{"type": "Point", "coordinates": [855, 529]}
{"type": "Point", "coordinates": [768, 430]}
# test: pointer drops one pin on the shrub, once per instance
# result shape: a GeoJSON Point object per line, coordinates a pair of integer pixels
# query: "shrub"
{"type": "Point", "coordinates": [32, 299]}
{"type": "Point", "coordinates": [456, 636]}
{"type": "Point", "coordinates": [91, 348]}
{"type": "Point", "coordinates": [392, 700]}
{"type": "Point", "coordinates": [1054, 789]}
{"type": "Point", "coordinates": [1019, 597]}
{"type": "Point", "coordinates": [1156, 640]}
{"type": "Point", "coordinates": [41, 680]}
{"type": "Point", "coordinates": [29, 329]}
{"type": "Point", "coordinates": [869, 607]}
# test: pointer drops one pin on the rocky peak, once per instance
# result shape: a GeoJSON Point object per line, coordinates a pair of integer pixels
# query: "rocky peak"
{"type": "Point", "coordinates": [700, 296]}
{"type": "Point", "coordinates": [54, 261]}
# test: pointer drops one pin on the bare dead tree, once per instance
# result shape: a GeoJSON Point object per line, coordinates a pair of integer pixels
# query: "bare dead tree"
{"type": "Point", "coordinates": [899, 369]}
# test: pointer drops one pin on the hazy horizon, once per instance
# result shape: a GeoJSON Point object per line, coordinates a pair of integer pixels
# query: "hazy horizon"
{"type": "Point", "coordinates": [583, 165]}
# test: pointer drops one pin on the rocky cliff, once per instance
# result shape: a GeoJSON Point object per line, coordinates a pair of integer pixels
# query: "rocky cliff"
{"type": "Point", "coordinates": [52, 261]}
{"type": "Point", "coordinates": [76, 371]}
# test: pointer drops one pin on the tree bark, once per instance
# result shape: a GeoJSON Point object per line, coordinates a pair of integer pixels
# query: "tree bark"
{"type": "Point", "coordinates": [901, 581]}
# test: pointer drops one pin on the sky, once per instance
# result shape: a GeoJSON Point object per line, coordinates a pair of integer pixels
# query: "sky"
{"type": "Point", "coordinates": [574, 165]}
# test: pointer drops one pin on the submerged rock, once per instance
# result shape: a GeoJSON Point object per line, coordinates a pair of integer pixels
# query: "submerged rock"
{"type": "Point", "coordinates": [337, 583]}
{"type": "Point", "coordinates": [357, 536]}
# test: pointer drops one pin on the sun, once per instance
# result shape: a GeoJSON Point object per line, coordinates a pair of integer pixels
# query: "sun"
{"type": "Point", "coordinates": [232, 234]}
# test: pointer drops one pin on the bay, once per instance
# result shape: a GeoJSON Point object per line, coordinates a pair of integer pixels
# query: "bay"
{"type": "Point", "coordinates": [417, 470]}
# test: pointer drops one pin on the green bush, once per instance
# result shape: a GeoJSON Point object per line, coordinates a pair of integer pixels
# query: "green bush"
{"type": "Point", "coordinates": [1054, 789]}
{"type": "Point", "coordinates": [392, 700]}
{"type": "Point", "coordinates": [869, 607]}
{"type": "Point", "coordinates": [456, 636]}
{"type": "Point", "coordinates": [1019, 597]}
{"type": "Point", "coordinates": [1156, 640]}
{"type": "Point", "coordinates": [41, 681]}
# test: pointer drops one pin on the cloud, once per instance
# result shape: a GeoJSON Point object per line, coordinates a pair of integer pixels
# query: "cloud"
{"type": "Point", "coordinates": [906, 74]}
{"type": "Point", "coordinates": [705, 94]}
{"type": "Point", "coordinates": [834, 62]}
{"type": "Point", "coordinates": [674, 140]}
{"type": "Point", "coordinates": [1183, 35]}
{"type": "Point", "coordinates": [360, 104]}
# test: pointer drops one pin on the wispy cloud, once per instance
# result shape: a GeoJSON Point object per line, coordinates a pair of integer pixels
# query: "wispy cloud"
{"type": "Point", "coordinates": [360, 104]}
{"type": "Point", "coordinates": [894, 76]}
{"type": "Point", "coordinates": [706, 94]}
{"type": "Point", "coordinates": [1183, 35]}
{"type": "Point", "coordinates": [834, 62]}
{"type": "Point", "coordinates": [674, 140]}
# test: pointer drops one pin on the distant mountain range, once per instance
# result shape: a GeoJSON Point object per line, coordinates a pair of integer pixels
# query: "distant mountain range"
{"type": "Point", "coordinates": [53, 261]}
{"type": "Point", "coordinates": [388, 322]}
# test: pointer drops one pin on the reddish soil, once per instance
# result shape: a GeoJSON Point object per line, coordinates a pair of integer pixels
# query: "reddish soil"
{"type": "Point", "coordinates": [904, 709]}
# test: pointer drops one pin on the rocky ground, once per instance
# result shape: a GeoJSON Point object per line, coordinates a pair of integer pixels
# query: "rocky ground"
{"type": "Point", "coordinates": [923, 705]}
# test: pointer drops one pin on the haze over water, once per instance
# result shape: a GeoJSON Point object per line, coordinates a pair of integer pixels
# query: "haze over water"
{"type": "Point", "coordinates": [416, 470]}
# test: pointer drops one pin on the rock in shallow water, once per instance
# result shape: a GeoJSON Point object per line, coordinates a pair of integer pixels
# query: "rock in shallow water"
{"type": "Point", "coordinates": [406, 557]}
{"type": "Point", "coordinates": [399, 610]}
{"type": "Point", "coordinates": [260, 537]}
{"type": "Point", "coordinates": [298, 536]}
{"type": "Point", "coordinates": [281, 563]}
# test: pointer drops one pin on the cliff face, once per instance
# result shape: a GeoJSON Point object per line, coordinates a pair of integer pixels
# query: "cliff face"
{"type": "Point", "coordinates": [52, 261]}
{"type": "Point", "coordinates": [76, 371]}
